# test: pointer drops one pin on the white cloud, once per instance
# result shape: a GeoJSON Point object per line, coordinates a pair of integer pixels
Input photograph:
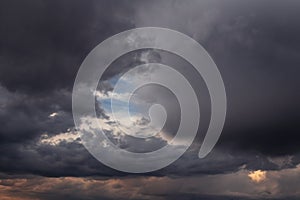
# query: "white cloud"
{"type": "Point", "coordinates": [53, 115]}
{"type": "Point", "coordinates": [68, 137]}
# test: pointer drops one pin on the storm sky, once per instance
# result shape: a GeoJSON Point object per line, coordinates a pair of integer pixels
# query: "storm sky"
{"type": "Point", "coordinates": [254, 43]}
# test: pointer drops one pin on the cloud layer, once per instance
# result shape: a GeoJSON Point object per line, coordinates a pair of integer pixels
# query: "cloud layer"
{"type": "Point", "coordinates": [255, 45]}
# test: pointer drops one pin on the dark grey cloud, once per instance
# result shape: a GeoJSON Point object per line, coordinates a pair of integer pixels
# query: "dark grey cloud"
{"type": "Point", "coordinates": [63, 159]}
{"type": "Point", "coordinates": [255, 44]}
{"type": "Point", "coordinates": [43, 43]}
{"type": "Point", "coordinates": [256, 52]}
{"type": "Point", "coordinates": [24, 117]}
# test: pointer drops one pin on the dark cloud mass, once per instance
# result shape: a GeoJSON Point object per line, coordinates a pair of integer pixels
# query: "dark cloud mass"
{"type": "Point", "coordinates": [43, 43]}
{"type": "Point", "coordinates": [256, 46]}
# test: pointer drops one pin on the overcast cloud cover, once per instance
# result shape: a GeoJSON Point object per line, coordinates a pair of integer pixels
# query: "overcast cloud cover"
{"type": "Point", "coordinates": [256, 46]}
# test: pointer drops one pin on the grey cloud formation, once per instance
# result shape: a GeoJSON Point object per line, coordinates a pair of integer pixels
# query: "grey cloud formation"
{"type": "Point", "coordinates": [43, 43]}
{"type": "Point", "coordinates": [255, 44]}
{"type": "Point", "coordinates": [23, 117]}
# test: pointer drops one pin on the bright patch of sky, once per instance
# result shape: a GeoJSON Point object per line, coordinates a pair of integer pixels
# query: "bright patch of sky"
{"type": "Point", "coordinates": [130, 111]}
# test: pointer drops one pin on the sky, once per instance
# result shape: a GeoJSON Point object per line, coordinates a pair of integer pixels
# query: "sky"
{"type": "Point", "coordinates": [254, 43]}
